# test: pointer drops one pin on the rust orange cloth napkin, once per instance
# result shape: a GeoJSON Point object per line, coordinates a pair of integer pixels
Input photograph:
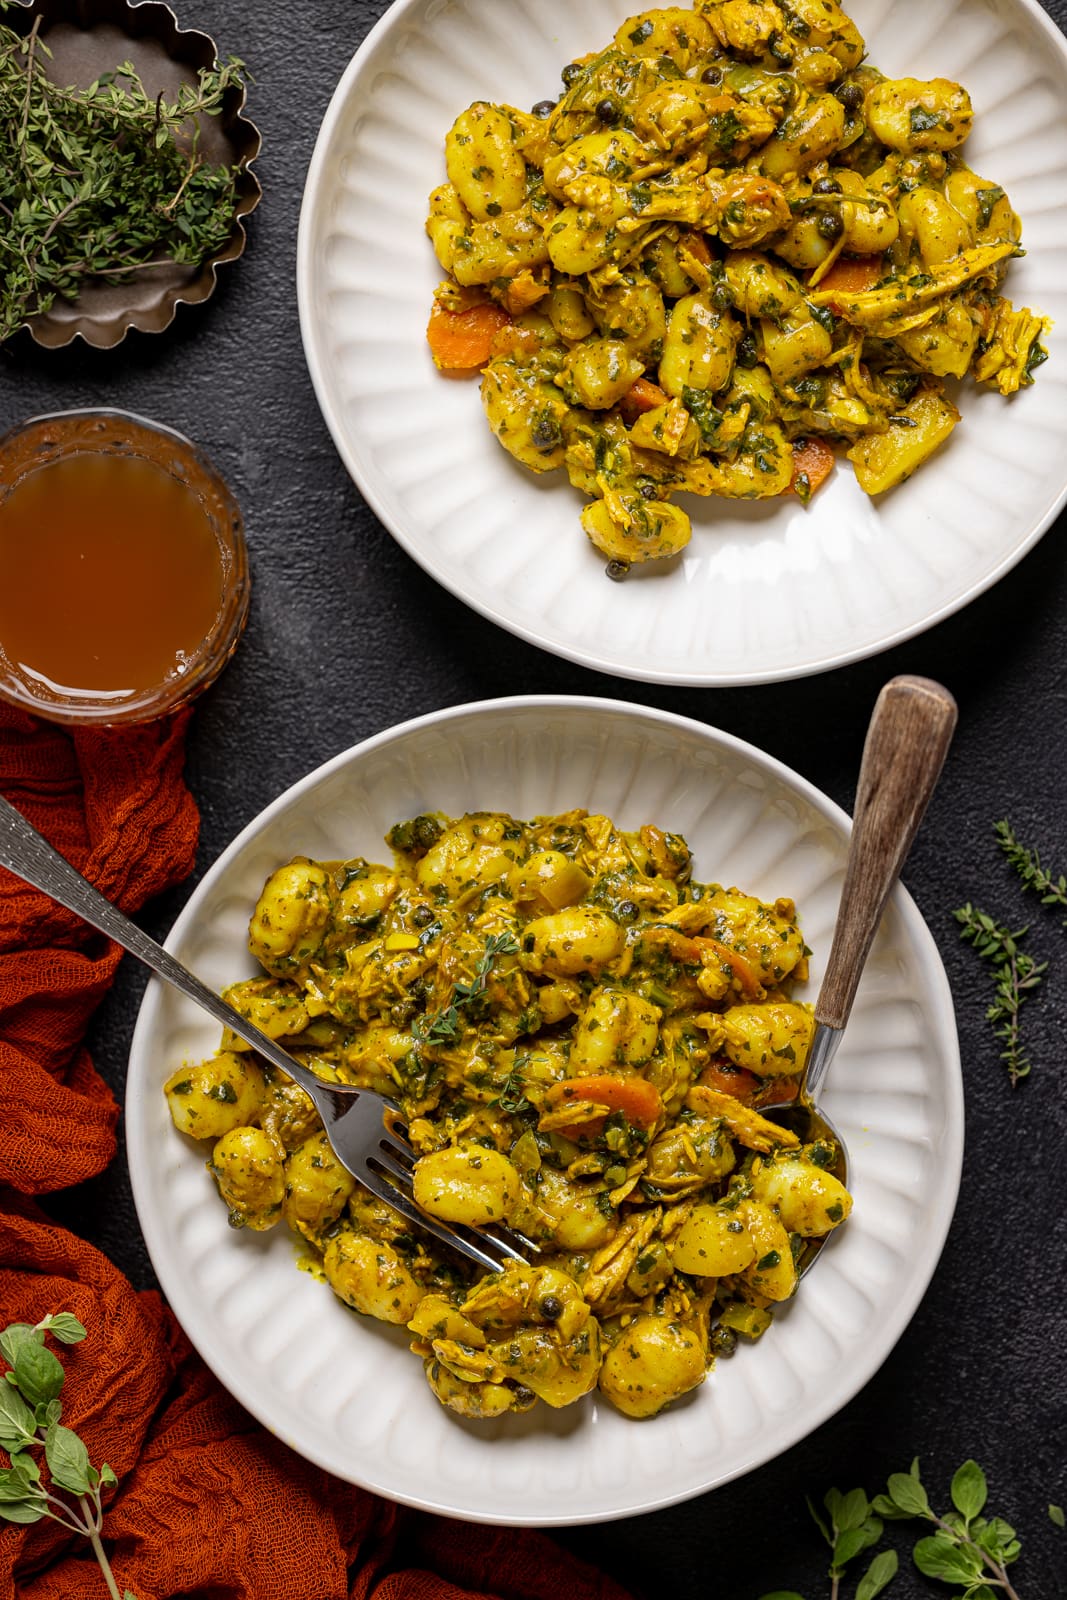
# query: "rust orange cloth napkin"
{"type": "Point", "coordinates": [208, 1503]}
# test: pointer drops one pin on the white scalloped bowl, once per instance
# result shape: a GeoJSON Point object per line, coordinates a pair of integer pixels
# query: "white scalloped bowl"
{"type": "Point", "coordinates": [764, 591]}
{"type": "Point", "coordinates": [344, 1391]}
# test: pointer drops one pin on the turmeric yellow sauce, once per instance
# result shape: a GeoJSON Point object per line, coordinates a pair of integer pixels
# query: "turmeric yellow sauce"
{"type": "Point", "coordinates": [729, 246]}
{"type": "Point", "coordinates": [580, 1036]}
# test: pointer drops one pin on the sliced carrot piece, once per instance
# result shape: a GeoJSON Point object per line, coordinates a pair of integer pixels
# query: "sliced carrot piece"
{"type": "Point", "coordinates": [728, 1079]}
{"type": "Point", "coordinates": [461, 341]}
{"type": "Point", "coordinates": [852, 275]}
{"type": "Point", "coordinates": [813, 461]}
{"type": "Point", "coordinates": [643, 396]}
{"type": "Point", "coordinates": [604, 1093]}
{"type": "Point", "coordinates": [776, 1092]}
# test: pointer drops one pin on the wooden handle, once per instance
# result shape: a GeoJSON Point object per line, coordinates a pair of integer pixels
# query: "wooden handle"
{"type": "Point", "coordinates": [907, 742]}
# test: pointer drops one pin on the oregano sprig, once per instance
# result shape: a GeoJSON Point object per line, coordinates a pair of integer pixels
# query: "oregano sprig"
{"type": "Point", "coordinates": [1015, 976]}
{"type": "Point", "coordinates": [967, 1549]}
{"type": "Point", "coordinates": [30, 1412]}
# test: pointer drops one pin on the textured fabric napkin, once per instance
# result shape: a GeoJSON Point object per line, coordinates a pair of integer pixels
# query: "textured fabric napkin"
{"type": "Point", "coordinates": [208, 1503]}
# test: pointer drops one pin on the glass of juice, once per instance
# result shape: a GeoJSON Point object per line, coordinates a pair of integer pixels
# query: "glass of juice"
{"type": "Point", "coordinates": [123, 568]}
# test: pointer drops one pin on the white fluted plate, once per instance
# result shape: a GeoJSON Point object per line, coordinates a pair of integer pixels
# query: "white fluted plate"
{"type": "Point", "coordinates": [345, 1391]}
{"type": "Point", "coordinates": [764, 591]}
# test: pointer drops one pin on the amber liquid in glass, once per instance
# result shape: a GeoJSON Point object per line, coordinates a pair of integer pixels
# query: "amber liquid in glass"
{"type": "Point", "coordinates": [111, 575]}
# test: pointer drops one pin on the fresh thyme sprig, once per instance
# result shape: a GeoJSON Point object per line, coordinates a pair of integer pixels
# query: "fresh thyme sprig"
{"type": "Point", "coordinates": [1027, 863]}
{"type": "Point", "coordinates": [30, 1410]}
{"type": "Point", "coordinates": [966, 1549]}
{"type": "Point", "coordinates": [443, 1027]}
{"type": "Point", "coordinates": [1015, 974]}
{"type": "Point", "coordinates": [100, 182]}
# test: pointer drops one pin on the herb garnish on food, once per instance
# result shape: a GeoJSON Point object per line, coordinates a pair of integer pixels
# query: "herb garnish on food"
{"type": "Point", "coordinates": [30, 1410]}
{"type": "Point", "coordinates": [97, 183]}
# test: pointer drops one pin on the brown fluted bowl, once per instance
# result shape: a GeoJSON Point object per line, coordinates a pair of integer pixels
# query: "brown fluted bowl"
{"type": "Point", "coordinates": [86, 38]}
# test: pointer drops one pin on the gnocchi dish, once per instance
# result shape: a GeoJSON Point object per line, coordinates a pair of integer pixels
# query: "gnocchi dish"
{"type": "Point", "coordinates": [729, 247]}
{"type": "Point", "coordinates": [583, 1040]}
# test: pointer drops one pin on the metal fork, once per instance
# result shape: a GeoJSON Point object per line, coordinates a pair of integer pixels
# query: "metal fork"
{"type": "Point", "coordinates": [364, 1128]}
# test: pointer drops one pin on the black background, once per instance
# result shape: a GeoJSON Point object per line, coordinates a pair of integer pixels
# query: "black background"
{"type": "Point", "coordinates": [347, 636]}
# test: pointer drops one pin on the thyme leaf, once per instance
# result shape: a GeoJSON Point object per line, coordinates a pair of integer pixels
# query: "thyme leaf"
{"type": "Point", "coordinates": [443, 1026]}
{"type": "Point", "coordinates": [1015, 976]}
{"type": "Point", "coordinates": [1027, 863]}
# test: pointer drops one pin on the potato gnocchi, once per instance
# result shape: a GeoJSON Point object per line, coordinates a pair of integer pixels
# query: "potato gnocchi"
{"type": "Point", "coordinates": [581, 1037]}
{"type": "Point", "coordinates": [730, 245]}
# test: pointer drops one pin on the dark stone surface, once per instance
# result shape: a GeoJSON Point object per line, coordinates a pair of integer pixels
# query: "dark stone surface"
{"type": "Point", "coordinates": [348, 636]}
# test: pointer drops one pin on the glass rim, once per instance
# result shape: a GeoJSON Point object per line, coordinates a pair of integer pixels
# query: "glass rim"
{"type": "Point", "coordinates": [216, 648]}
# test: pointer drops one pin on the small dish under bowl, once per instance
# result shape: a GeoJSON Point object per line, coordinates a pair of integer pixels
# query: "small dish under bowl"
{"type": "Point", "coordinates": [87, 38]}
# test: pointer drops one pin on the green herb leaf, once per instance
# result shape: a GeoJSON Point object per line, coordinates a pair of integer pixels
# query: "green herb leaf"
{"type": "Point", "coordinates": [101, 182]}
{"type": "Point", "coordinates": [782, 1594]}
{"type": "Point", "coordinates": [908, 1495]}
{"type": "Point", "coordinates": [38, 1373]}
{"type": "Point", "coordinates": [65, 1327]}
{"type": "Point", "coordinates": [30, 1508]}
{"type": "Point", "coordinates": [997, 1538]}
{"type": "Point", "coordinates": [888, 1510]}
{"type": "Point", "coordinates": [1056, 1515]}
{"type": "Point", "coordinates": [14, 1337]}
{"type": "Point", "coordinates": [44, 1415]}
{"type": "Point", "coordinates": [20, 1479]}
{"type": "Point", "coordinates": [68, 1460]}
{"type": "Point", "coordinates": [969, 1490]}
{"type": "Point", "coordinates": [880, 1573]}
{"type": "Point", "coordinates": [17, 1422]}
{"type": "Point", "coordinates": [952, 1563]}
{"type": "Point", "coordinates": [818, 1521]}
{"type": "Point", "coordinates": [108, 1479]}
{"type": "Point", "coordinates": [1015, 975]}
{"type": "Point", "coordinates": [853, 1510]}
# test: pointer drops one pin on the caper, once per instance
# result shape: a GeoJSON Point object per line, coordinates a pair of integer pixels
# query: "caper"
{"type": "Point", "coordinates": [747, 351]}
{"type": "Point", "coordinates": [723, 1341]}
{"type": "Point", "coordinates": [551, 1307]}
{"type": "Point", "coordinates": [711, 75]}
{"type": "Point", "coordinates": [851, 96]}
{"type": "Point", "coordinates": [826, 186]}
{"type": "Point", "coordinates": [830, 225]}
{"type": "Point", "coordinates": [617, 570]}
{"type": "Point", "coordinates": [626, 911]}
{"type": "Point", "coordinates": [422, 916]}
{"type": "Point", "coordinates": [571, 71]}
{"type": "Point", "coordinates": [607, 112]}
{"type": "Point", "coordinates": [544, 108]}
